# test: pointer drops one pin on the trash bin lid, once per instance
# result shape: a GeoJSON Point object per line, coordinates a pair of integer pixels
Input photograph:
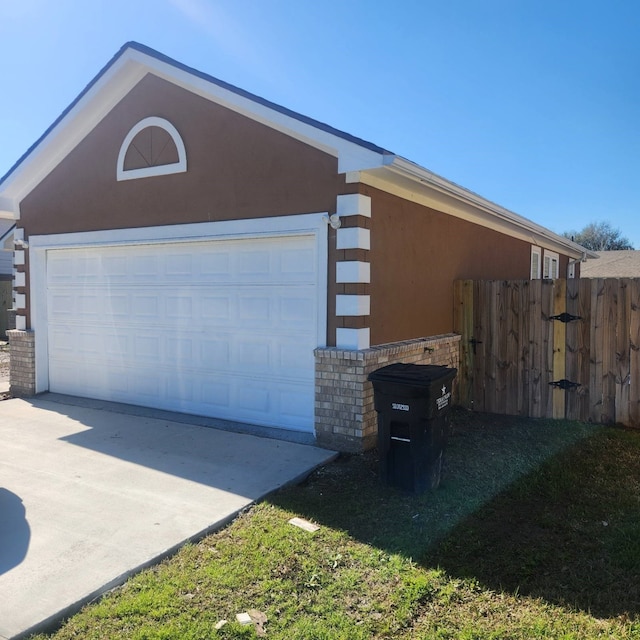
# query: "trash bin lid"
{"type": "Point", "coordinates": [412, 374]}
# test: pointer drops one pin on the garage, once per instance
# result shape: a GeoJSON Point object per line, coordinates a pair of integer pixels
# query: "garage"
{"type": "Point", "coordinates": [223, 328]}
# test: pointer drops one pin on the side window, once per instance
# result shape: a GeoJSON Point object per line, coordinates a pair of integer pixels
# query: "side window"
{"type": "Point", "coordinates": [153, 147]}
{"type": "Point", "coordinates": [551, 265]}
{"type": "Point", "coordinates": [536, 261]}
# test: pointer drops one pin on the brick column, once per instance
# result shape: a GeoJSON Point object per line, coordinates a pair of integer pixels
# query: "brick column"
{"type": "Point", "coordinates": [22, 370]}
{"type": "Point", "coordinates": [345, 416]}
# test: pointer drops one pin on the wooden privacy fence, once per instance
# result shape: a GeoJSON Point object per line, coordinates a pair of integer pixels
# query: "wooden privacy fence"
{"type": "Point", "coordinates": [518, 357]}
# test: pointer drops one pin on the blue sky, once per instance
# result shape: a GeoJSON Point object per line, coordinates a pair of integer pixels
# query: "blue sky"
{"type": "Point", "coordinates": [533, 104]}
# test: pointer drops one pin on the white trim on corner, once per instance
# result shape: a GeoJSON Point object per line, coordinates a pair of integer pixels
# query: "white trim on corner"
{"type": "Point", "coordinates": [353, 339]}
{"type": "Point", "coordinates": [353, 238]}
{"type": "Point", "coordinates": [353, 305]}
{"type": "Point", "coordinates": [281, 226]}
{"type": "Point", "coordinates": [353, 271]}
{"type": "Point", "coordinates": [19, 279]}
{"type": "Point", "coordinates": [354, 204]}
{"type": "Point", "coordinates": [161, 170]}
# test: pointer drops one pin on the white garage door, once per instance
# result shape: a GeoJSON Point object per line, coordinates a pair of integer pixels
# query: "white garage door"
{"type": "Point", "coordinates": [224, 328]}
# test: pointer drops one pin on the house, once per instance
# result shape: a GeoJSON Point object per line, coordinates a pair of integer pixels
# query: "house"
{"type": "Point", "coordinates": [613, 264]}
{"type": "Point", "coordinates": [6, 274]}
{"type": "Point", "coordinates": [184, 244]}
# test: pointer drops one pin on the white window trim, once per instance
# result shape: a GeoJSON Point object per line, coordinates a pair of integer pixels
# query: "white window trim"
{"type": "Point", "coordinates": [147, 172]}
{"type": "Point", "coordinates": [535, 266]}
{"type": "Point", "coordinates": [571, 270]}
{"type": "Point", "coordinates": [551, 265]}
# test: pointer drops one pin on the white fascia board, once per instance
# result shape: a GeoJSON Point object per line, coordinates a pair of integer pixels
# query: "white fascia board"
{"type": "Point", "coordinates": [410, 181]}
{"type": "Point", "coordinates": [113, 85]}
{"type": "Point", "coordinates": [8, 209]}
{"type": "Point", "coordinates": [351, 156]}
{"type": "Point", "coordinates": [76, 124]}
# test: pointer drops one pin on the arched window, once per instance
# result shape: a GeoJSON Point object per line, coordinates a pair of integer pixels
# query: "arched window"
{"type": "Point", "coordinates": [153, 147]}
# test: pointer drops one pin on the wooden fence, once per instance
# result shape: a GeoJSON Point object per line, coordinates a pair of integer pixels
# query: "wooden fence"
{"type": "Point", "coordinates": [512, 349]}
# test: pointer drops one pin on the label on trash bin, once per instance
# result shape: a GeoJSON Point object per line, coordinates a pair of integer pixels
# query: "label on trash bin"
{"type": "Point", "coordinates": [443, 400]}
{"type": "Point", "coordinates": [399, 407]}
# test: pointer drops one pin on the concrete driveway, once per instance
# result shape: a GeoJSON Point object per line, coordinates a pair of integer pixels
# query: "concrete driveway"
{"type": "Point", "coordinates": [90, 494]}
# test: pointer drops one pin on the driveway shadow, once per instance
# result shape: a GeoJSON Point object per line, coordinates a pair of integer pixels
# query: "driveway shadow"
{"type": "Point", "coordinates": [15, 533]}
{"type": "Point", "coordinates": [508, 514]}
{"type": "Point", "coordinates": [224, 455]}
{"type": "Point", "coordinates": [569, 534]}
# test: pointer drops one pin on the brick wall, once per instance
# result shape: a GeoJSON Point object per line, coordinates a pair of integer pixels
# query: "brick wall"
{"type": "Point", "coordinates": [345, 416]}
{"type": "Point", "coordinates": [23, 362]}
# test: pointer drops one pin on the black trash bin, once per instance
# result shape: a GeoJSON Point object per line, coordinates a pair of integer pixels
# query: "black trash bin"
{"type": "Point", "coordinates": [413, 403]}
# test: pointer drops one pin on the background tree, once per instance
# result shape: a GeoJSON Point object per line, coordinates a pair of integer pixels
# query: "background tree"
{"type": "Point", "coordinates": [600, 236]}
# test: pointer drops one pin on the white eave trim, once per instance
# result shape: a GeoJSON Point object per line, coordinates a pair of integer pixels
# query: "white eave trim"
{"type": "Point", "coordinates": [76, 124]}
{"type": "Point", "coordinates": [408, 180]}
{"type": "Point", "coordinates": [121, 76]}
{"type": "Point", "coordinates": [8, 209]}
{"type": "Point", "coordinates": [351, 156]}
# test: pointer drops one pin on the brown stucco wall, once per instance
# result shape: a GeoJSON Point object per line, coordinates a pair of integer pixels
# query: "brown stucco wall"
{"type": "Point", "coordinates": [417, 253]}
{"type": "Point", "coordinates": [237, 168]}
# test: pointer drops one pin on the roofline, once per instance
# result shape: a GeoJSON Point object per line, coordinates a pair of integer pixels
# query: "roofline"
{"type": "Point", "coordinates": [137, 60]}
{"type": "Point", "coordinates": [7, 232]}
{"type": "Point", "coordinates": [255, 98]}
{"type": "Point", "coordinates": [136, 46]}
{"type": "Point", "coordinates": [403, 173]}
{"type": "Point", "coordinates": [360, 160]}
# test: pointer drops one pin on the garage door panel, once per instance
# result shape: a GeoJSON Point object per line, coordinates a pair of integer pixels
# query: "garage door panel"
{"type": "Point", "coordinates": [294, 310]}
{"type": "Point", "coordinates": [145, 307]}
{"type": "Point", "coordinates": [215, 266]}
{"type": "Point", "coordinates": [222, 328]}
{"type": "Point", "coordinates": [296, 405]}
{"type": "Point", "coordinates": [61, 306]}
{"type": "Point", "coordinates": [254, 309]}
{"type": "Point", "coordinates": [254, 265]}
{"type": "Point", "coordinates": [245, 353]}
{"type": "Point", "coordinates": [178, 266]}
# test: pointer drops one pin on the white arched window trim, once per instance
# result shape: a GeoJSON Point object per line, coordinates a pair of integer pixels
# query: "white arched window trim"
{"type": "Point", "coordinates": [161, 170]}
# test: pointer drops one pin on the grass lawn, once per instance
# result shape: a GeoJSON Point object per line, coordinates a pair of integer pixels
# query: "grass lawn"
{"type": "Point", "coordinates": [534, 533]}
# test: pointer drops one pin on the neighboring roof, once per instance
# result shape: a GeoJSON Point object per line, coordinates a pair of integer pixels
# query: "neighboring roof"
{"type": "Point", "coordinates": [612, 264]}
{"type": "Point", "coordinates": [6, 231]}
{"type": "Point", "coordinates": [360, 160]}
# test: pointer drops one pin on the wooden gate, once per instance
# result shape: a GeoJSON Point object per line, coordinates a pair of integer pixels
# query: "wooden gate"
{"type": "Point", "coordinates": [551, 348]}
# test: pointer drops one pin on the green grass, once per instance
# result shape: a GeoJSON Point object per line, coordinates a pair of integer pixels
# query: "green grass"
{"type": "Point", "coordinates": [534, 533]}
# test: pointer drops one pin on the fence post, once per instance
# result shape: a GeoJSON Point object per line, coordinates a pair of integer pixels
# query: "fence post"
{"type": "Point", "coordinates": [463, 324]}
{"type": "Point", "coordinates": [559, 348]}
{"type": "Point", "coordinates": [634, 353]}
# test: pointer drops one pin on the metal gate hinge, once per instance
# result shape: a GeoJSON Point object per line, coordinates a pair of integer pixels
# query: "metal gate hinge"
{"type": "Point", "coordinates": [565, 317]}
{"type": "Point", "coordinates": [473, 342]}
{"type": "Point", "coordinates": [565, 384]}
